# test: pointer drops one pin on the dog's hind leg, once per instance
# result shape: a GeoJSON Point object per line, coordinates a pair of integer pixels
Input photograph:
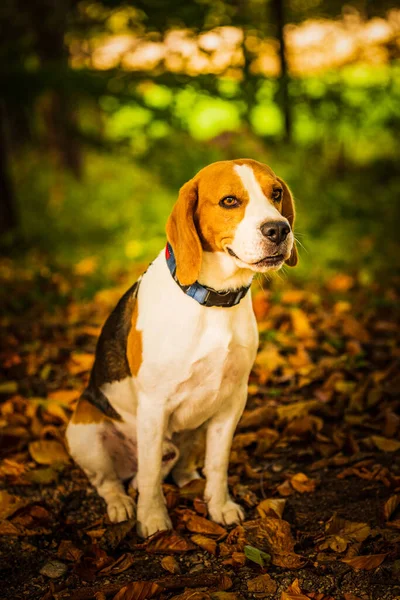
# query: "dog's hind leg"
{"type": "Point", "coordinates": [191, 446]}
{"type": "Point", "coordinates": [87, 448]}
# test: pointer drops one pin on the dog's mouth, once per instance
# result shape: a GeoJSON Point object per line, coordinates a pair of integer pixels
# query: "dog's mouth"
{"type": "Point", "coordinates": [267, 261]}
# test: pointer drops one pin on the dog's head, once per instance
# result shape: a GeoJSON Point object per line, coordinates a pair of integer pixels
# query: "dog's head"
{"type": "Point", "coordinates": [239, 207]}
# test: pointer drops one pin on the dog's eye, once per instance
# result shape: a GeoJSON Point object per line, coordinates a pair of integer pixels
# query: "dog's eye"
{"type": "Point", "coordinates": [277, 195]}
{"type": "Point", "coordinates": [229, 202]}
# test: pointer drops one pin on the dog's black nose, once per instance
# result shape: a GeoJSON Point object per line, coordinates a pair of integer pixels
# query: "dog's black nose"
{"type": "Point", "coordinates": [276, 231]}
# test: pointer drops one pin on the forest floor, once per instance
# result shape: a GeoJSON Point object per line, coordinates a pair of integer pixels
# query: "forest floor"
{"type": "Point", "coordinates": [315, 461]}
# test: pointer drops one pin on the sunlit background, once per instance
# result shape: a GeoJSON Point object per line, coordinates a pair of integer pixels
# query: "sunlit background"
{"type": "Point", "coordinates": [107, 108]}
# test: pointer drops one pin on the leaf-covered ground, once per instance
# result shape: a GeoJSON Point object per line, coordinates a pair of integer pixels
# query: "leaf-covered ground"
{"type": "Point", "coordinates": [315, 461]}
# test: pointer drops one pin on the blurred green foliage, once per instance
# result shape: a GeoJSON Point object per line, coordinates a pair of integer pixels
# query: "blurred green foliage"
{"type": "Point", "coordinates": [143, 135]}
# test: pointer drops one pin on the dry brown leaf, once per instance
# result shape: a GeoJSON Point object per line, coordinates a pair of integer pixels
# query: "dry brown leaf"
{"type": "Point", "coordinates": [264, 415]}
{"type": "Point", "coordinates": [64, 396]}
{"type": "Point", "coordinates": [139, 590]}
{"type": "Point", "coordinates": [168, 542]}
{"type": "Point", "coordinates": [294, 592]}
{"type": "Point", "coordinates": [271, 507]}
{"type": "Point", "coordinates": [205, 542]}
{"type": "Point", "coordinates": [192, 595]}
{"type": "Point", "coordinates": [67, 551]}
{"type": "Point", "coordinates": [197, 524]}
{"type": "Point", "coordinates": [169, 564]}
{"type": "Point", "coordinates": [385, 444]}
{"type": "Point", "coordinates": [366, 563]}
{"type": "Point", "coordinates": [274, 536]}
{"type": "Point", "coordinates": [225, 596]}
{"type": "Point", "coordinates": [9, 504]}
{"type": "Point", "coordinates": [302, 484]}
{"type": "Point", "coordinates": [390, 506]}
{"type": "Point", "coordinates": [287, 412]}
{"type": "Point", "coordinates": [285, 489]}
{"type": "Point", "coordinates": [123, 563]}
{"type": "Point", "coordinates": [47, 452]}
{"type": "Point", "coordinates": [193, 489]}
{"type": "Point", "coordinates": [263, 584]}
{"type": "Point", "coordinates": [341, 532]}
{"type": "Point", "coordinates": [7, 528]}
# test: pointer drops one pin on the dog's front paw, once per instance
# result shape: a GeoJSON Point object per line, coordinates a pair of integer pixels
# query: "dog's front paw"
{"type": "Point", "coordinates": [227, 513]}
{"type": "Point", "coordinates": [152, 519]}
{"type": "Point", "coordinates": [120, 507]}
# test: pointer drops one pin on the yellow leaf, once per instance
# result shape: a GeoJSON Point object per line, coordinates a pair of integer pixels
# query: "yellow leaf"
{"type": "Point", "coordinates": [301, 324]}
{"type": "Point", "coordinates": [9, 504]}
{"type": "Point", "coordinates": [47, 452]}
{"type": "Point", "coordinates": [385, 444]}
{"type": "Point", "coordinates": [366, 563]}
{"type": "Point", "coordinates": [271, 507]}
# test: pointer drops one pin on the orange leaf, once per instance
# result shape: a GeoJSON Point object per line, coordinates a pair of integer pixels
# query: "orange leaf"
{"type": "Point", "coordinates": [139, 590]}
{"type": "Point", "coordinates": [198, 524]}
{"type": "Point", "coordinates": [294, 592]}
{"type": "Point", "coordinates": [301, 483]}
{"type": "Point", "coordinates": [168, 542]}
{"type": "Point", "coordinates": [366, 563]}
{"type": "Point", "coordinates": [390, 506]}
{"type": "Point", "coordinates": [205, 543]}
{"type": "Point", "coordinates": [169, 564]}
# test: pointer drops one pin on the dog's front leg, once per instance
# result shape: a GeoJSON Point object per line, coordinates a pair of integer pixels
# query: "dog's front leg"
{"type": "Point", "coordinates": [152, 513]}
{"type": "Point", "coordinates": [219, 440]}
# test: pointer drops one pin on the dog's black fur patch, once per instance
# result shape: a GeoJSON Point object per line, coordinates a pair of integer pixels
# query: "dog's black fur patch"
{"type": "Point", "coordinates": [111, 363]}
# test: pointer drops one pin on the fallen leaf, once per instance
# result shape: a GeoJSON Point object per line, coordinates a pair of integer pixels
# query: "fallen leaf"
{"type": "Point", "coordinates": [390, 506]}
{"type": "Point", "coordinates": [169, 564]}
{"type": "Point", "coordinates": [301, 483]}
{"type": "Point", "coordinates": [64, 396]}
{"type": "Point", "coordinates": [205, 542]}
{"type": "Point", "coordinates": [139, 590]}
{"type": "Point", "coordinates": [168, 542]}
{"type": "Point", "coordinates": [274, 536]}
{"type": "Point", "coordinates": [47, 452]}
{"type": "Point", "coordinates": [288, 412]}
{"type": "Point", "coordinates": [301, 324]}
{"type": "Point", "coordinates": [271, 507]}
{"type": "Point", "coordinates": [257, 556]}
{"type": "Point", "coordinates": [68, 551]}
{"type": "Point", "coordinates": [294, 592]}
{"type": "Point", "coordinates": [192, 595]}
{"type": "Point", "coordinates": [366, 563]}
{"type": "Point", "coordinates": [80, 362]}
{"type": "Point", "coordinates": [341, 532]}
{"type": "Point", "coordinates": [197, 524]}
{"type": "Point", "coordinates": [193, 489]}
{"type": "Point", "coordinates": [9, 504]}
{"type": "Point", "coordinates": [385, 444]}
{"type": "Point", "coordinates": [263, 584]}
{"type": "Point", "coordinates": [123, 563]}
{"type": "Point", "coordinates": [54, 569]}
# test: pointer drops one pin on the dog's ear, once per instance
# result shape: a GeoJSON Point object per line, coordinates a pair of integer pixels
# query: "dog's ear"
{"type": "Point", "coordinates": [288, 211]}
{"type": "Point", "coordinates": [183, 236]}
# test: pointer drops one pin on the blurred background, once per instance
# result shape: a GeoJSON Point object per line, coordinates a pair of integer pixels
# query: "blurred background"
{"type": "Point", "coordinates": [107, 108]}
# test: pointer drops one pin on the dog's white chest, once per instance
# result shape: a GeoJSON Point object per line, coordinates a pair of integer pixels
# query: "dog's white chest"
{"type": "Point", "coordinates": [206, 385]}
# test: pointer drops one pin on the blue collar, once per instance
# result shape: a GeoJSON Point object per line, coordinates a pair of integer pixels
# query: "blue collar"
{"type": "Point", "coordinates": [201, 293]}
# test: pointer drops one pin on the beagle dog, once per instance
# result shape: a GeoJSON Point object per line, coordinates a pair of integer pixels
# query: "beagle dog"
{"type": "Point", "coordinates": [174, 357]}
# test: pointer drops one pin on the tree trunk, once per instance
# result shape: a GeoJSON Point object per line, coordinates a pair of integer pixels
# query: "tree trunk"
{"type": "Point", "coordinates": [8, 212]}
{"type": "Point", "coordinates": [284, 98]}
